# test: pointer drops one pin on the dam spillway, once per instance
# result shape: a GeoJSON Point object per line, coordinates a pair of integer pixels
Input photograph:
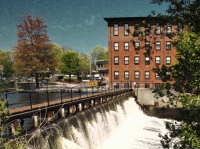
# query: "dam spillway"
{"type": "Point", "coordinates": [116, 124]}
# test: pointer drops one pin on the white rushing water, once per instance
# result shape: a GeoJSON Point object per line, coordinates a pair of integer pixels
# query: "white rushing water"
{"type": "Point", "coordinates": [137, 131]}
{"type": "Point", "coordinates": [133, 130]}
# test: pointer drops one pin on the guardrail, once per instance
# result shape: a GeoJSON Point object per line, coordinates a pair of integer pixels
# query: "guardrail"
{"type": "Point", "coordinates": [32, 99]}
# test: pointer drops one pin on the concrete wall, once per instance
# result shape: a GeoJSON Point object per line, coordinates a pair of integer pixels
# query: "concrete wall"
{"type": "Point", "coordinates": [146, 97]}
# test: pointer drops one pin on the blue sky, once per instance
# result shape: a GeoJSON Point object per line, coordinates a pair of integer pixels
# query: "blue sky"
{"type": "Point", "coordinates": [75, 24]}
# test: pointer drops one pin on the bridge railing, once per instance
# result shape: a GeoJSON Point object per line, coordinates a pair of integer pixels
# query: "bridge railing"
{"type": "Point", "coordinates": [32, 99]}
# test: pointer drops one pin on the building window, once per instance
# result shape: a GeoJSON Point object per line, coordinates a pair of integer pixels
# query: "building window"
{"type": "Point", "coordinates": [116, 60]}
{"type": "Point", "coordinates": [116, 85]}
{"type": "Point", "coordinates": [137, 30]}
{"type": "Point", "coordinates": [136, 85]}
{"type": "Point", "coordinates": [157, 77]}
{"type": "Point", "coordinates": [126, 75]}
{"type": "Point", "coordinates": [137, 74]}
{"type": "Point", "coordinates": [116, 46]}
{"type": "Point", "coordinates": [116, 30]}
{"type": "Point", "coordinates": [126, 85]}
{"type": "Point", "coordinates": [157, 45]}
{"type": "Point", "coordinates": [147, 85]}
{"type": "Point", "coordinates": [168, 45]}
{"type": "Point", "coordinates": [137, 45]}
{"type": "Point", "coordinates": [148, 29]}
{"type": "Point", "coordinates": [126, 60]}
{"type": "Point", "coordinates": [168, 60]}
{"type": "Point", "coordinates": [169, 28]}
{"type": "Point", "coordinates": [126, 29]}
{"type": "Point", "coordinates": [157, 60]}
{"type": "Point", "coordinates": [116, 75]}
{"type": "Point", "coordinates": [147, 74]}
{"type": "Point", "coordinates": [157, 29]}
{"type": "Point", "coordinates": [147, 60]}
{"type": "Point", "coordinates": [157, 85]}
{"type": "Point", "coordinates": [137, 60]}
{"type": "Point", "coordinates": [126, 46]}
{"type": "Point", "coordinates": [147, 45]}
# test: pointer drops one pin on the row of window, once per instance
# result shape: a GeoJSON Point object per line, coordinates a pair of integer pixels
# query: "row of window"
{"type": "Point", "coordinates": [147, 60]}
{"type": "Point", "coordinates": [147, 45]}
{"type": "Point", "coordinates": [136, 85]}
{"type": "Point", "coordinates": [136, 75]}
{"type": "Point", "coordinates": [147, 29]}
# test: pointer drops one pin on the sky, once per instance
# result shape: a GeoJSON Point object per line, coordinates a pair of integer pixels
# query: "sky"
{"type": "Point", "coordinates": [74, 24]}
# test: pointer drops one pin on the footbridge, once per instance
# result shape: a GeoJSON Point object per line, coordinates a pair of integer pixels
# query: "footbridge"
{"type": "Point", "coordinates": [47, 105]}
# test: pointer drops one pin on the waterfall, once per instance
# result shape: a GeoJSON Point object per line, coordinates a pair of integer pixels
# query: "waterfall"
{"type": "Point", "coordinates": [114, 125]}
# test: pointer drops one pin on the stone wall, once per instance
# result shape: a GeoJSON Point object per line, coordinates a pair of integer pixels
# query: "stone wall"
{"type": "Point", "coordinates": [155, 106]}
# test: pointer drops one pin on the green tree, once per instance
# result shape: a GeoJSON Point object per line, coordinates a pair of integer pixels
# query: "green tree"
{"type": "Point", "coordinates": [84, 64]}
{"type": "Point", "coordinates": [70, 63]}
{"type": "Point", "coordinates": [184, 75]}
{"type": "Point", "coordinates": [98, 53]}
{"type": "Point", "coordinates": [33, 53]}
{"type": "Point", "coordinates": [7, 63]}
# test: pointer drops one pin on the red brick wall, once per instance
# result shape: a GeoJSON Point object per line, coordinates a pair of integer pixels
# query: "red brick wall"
{"type": "Point", "coordinates": [121, 38]}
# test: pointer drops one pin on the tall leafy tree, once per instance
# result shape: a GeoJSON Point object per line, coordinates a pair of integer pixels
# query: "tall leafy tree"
{"type": "Point", "coordinates": [70, 63]}
{"type": "Point", "coordinates": [7, 63]}
{"type": "Point", "coordinates": [84, 64]}
{"type": "Point", "coordinates": [33, 52]}
{"type": "Point", "coordinates": [184, 75]}
{"type": "Point", "coordinates": [98, 53]}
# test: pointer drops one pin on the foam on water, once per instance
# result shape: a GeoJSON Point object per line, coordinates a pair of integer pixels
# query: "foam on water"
{"type": "Point", "coordinates": [118, 124]}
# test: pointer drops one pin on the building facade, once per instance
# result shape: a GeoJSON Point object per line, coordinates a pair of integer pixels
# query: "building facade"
{"type": "Point", "coordinates": [133, 55]}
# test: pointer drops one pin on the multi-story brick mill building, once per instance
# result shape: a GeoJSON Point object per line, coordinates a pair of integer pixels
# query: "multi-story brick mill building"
{"type": "Point", "coordinates": [131, 63]}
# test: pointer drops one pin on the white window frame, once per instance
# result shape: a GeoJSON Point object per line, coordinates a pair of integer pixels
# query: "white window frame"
{"type": "Point", "coordinates": [116, 46]}
{"type": "Point", "coordinates": [157, 60]}
{"type": "Point", "coordinates": [116, 29]}
{"type": "Point", "coordinates": [116, 74]}
{"type": "Point", "coordinates": [126, 75]}
{"type": "Point", "coordinates": [137, 45]}
{"type": "Point", "coordinates": [158, 45]}
{"type": "Point", "coordinates": [137, 75]}
{"type": "Point", "coordinates": [116, 60]}
{"type": "Point", "coordinates": [147, 60]}
{"type": "Point", "coordinates": [168, 45]}
{"type": "Point", "coordinates": [126, 60]}
{"type": "Point", "coordinates": [126, 46]}
{"type": "Point", "coordinates": [147, 74]}
{"type": "Point", "coordinates": [126, 27]}
{"type": "Point", "coordinates": [168, 60]}
{"type": "Point", "coordinates": [136, 60]}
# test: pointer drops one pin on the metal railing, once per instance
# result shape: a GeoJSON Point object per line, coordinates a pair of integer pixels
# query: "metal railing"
{"type": "Point", "coordinates": [32, 99]}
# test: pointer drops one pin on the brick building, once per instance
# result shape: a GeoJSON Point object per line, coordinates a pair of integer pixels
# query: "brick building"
{"type": "Point", "coordinates": [131, 63]}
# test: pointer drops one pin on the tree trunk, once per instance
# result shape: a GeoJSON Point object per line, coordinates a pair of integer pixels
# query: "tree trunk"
{"type": "Point", "coordinates": [37, 80]}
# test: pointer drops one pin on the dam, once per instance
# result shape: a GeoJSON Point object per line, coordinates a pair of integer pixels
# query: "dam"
{"type": "Point", "coordinates": [113, 125]}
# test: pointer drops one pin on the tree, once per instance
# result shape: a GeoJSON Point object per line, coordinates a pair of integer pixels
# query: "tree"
{"type": "Point", "coordinates": [184, 75]}
{"type": "Point", "coordinates": [33, 53]}
{"type": "Point", "coordinates": [84, 64]}
{"type": "Point", "coordinates": [98, 53]}
{"type": "Point", "coordinates": [7, 63]}
{"type": "Point", "coordinates": [70, 63]}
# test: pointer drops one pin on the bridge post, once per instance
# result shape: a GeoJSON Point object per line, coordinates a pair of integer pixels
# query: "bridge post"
{"type": "Point", "coordinates": [30, 100]}
{"type": "Point", "coordinates": [62, 112]}
{"type": "Point", "coordinates": [83, 106]}
{"type": "Point", "coordinates": [91, 103]}
{"type": "Point", "coordinates": [35, 121]}
{"type": "Point", "coordinates": [50, 116]}
{"type": "Point", "coordinates": [61, 95]}
{"type": "Point", "coordinates": [48, 97]}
